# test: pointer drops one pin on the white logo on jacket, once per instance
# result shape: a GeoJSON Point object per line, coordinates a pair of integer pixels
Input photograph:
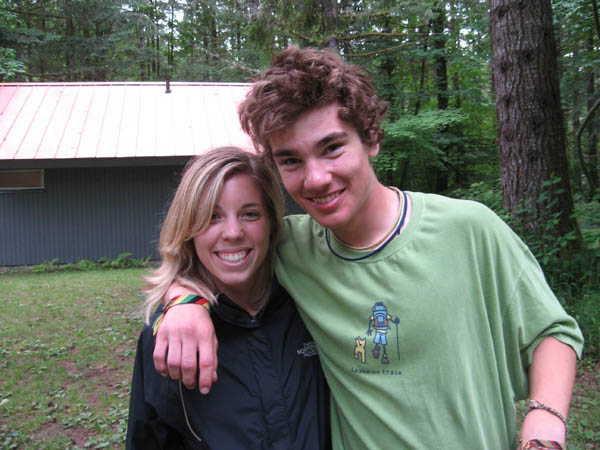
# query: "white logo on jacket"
{"type": "Point", "coordinates": [308, 349]}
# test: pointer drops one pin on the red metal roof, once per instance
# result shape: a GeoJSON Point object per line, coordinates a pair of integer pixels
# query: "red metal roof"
{"type": "Point", "coordinates": [117, 120]}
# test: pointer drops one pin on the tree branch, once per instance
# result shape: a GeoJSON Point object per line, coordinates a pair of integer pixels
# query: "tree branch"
{"type": "Point", "coordinates": [241, 67]}
{"type": "Point", "coordinates": [34, 12]}
{"type": "Point", "coordinates": [379, 34]}
{"type": "Point", "coordinates": [380, 51]}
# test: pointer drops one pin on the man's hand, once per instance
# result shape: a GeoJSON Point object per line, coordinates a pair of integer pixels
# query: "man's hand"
{"type": "Point", "coordinates": [185, 344]}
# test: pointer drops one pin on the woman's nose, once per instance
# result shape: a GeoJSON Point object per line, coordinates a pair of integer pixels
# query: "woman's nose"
{"type": "Point", "coordinates": [232, 228]}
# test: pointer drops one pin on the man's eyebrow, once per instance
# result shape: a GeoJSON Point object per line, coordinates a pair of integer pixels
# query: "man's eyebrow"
{"type": "Point", "coordinates": [334, 136]}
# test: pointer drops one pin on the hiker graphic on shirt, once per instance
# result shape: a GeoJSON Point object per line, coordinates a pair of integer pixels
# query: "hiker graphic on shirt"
{"type": "Point", "coordinates": [381, 323]}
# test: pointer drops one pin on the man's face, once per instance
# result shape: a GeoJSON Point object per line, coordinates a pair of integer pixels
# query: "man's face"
{"type": "Point", "coordinates": [325, 167]}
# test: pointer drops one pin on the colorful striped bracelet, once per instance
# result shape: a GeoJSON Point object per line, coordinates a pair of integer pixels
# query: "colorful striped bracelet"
{"type": "Point", "coordinates": [540, 444]}
{"type": "Point", "coordinates": [179, 300]}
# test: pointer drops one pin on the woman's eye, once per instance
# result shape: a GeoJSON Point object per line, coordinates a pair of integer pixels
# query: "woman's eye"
{"type": "Point", "coordinates": [290, 161]}
{"type": "Point", "coordinates": [252, 214]}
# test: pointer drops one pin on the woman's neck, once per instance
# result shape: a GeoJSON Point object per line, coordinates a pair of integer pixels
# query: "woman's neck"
{"type": "Point", "coordinates": [251, 297]}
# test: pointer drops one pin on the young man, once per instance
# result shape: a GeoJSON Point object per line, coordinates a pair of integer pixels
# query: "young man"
{"type": "Point", "coordinates": [431, 317]}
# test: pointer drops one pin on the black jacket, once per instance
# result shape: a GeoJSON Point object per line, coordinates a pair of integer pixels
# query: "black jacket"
{"type": "Point", "coordinates": [270, 392]}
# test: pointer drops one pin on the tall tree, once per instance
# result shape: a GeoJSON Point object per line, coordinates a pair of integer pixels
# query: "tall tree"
{"type": "Point", "coordinates": [592, 141]}
{"type": "Point", "coordinates": [531, 132]}
{"type": "Point", "coordinates": [579, 28]}
{"type": "Point", "coordinates": [440, 178]}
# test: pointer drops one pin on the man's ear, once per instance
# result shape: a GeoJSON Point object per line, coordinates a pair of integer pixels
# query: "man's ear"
{"type": "Point", "coordinates": [373, 150]}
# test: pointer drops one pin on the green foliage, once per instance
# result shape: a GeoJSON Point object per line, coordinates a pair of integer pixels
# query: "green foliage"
{"type": "Point", "coordinates": [432, 140]}
{"type": "Point", "coordinates": [9, 63]}
{"type": "Point", "coordinates": [586, 310]}
{"type": "Point", "coordinates": [50, 266]}
{"type": "Point", "coordinates": [85, 264]}
{"type": "Point", "coordinates": [234, 40]}
{"type": "Point", "coordinates": [423, 130]}
{"type": "Point", "coordinates": [417, 138]}
{"type": "Point", "coordinates": [569, 273]}
{"type": "Point", "coordinates": [9, 66]}
{"type": "Point", "coordinates": [122, 261]}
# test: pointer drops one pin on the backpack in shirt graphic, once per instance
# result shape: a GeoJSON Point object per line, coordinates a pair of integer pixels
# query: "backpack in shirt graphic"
{"type": "Point", "coordinates": [380, 316]}
{"type": "Point", "coordinates": [380, 321]}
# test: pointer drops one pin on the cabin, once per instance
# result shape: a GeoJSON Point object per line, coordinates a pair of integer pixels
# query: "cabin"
{"type": "Point", "coordinates": [87, 170]}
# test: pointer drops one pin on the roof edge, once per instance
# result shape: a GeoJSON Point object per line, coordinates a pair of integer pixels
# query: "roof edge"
{"type": "Point", "coordinates": [125, 83]}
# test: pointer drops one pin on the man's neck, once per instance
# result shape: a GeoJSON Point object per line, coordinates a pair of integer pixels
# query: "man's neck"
{"type": "Point", "coordinates": [375, 221]}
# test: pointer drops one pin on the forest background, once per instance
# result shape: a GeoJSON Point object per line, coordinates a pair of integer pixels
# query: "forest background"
{"type": "Point", "coordinates": [494, 100]}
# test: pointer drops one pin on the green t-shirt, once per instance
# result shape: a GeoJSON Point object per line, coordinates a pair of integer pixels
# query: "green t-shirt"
{"type": "Point", "coordinates": [455, 306]}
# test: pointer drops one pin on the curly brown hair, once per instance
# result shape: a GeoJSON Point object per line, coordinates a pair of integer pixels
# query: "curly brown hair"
{"type": "Point", "coordinates": [301, 79]}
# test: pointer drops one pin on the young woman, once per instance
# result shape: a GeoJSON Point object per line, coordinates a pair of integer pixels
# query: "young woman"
{"type": "Point", "coordinates": [218, 239]}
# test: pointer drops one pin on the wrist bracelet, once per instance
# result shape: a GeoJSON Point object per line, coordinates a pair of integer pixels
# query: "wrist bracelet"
{"type": "Point", "coordinates": [534, 404]}
{"type": "Point", "coordinates": [539, 444]}
{"type": "Point", "coordinates": [189, 299]}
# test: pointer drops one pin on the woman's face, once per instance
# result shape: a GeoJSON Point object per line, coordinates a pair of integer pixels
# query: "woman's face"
{"type": "Point", "coordinates": [234, 245]}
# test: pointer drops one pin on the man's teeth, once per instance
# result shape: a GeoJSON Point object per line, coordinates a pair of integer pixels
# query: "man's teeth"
{"type": "Point", "coordinates": [327, 198]}
{"type": "Point", "coordinates": [233, 257]}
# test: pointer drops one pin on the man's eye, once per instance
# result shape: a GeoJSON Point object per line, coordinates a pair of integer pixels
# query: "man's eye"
{"type": "Point", "coordinates": [332, 148]}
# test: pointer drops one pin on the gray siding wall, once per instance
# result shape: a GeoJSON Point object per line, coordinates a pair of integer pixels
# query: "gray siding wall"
{"type": "Point", "coordinates": [86, 213]}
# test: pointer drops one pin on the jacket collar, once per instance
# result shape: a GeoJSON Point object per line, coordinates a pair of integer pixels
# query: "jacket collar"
{"type": "Point", "coordinates": [234, 314]}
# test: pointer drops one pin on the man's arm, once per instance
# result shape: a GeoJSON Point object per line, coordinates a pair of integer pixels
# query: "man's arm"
{"type": "Point", "coordinates": [186, 342]}
{"type": "Point", "coordinates": [551, 380]}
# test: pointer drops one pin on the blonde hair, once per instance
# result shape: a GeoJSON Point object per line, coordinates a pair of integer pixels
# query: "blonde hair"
{"type": "Point", "coordinates": [190, 212]}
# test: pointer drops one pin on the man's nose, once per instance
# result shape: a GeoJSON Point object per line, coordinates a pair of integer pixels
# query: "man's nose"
{"type": "Point", "coordinates": [316, 175]}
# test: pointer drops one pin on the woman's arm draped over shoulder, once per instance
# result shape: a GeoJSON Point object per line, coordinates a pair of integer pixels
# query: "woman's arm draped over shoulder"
{"type": "Point", "coordinates": [186, 344]}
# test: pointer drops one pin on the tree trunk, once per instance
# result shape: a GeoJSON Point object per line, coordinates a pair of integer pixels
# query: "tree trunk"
{"type": "Point", "coordinates": [577, 170]}
{"type": "Point", "coordinates": [70, 33]}
{"type": "Point", "coordinates": [424, 33]}
{"type": "Point", "coordinates": [531, 133]}
{"type": "Point", "coordinates": [441, 81]}
{"type": "Point", "coordinates": [591, 151]}
{"type": "Point", "coordinates": [456, 75]}
{"type": "Point", "coordinates": [330, 18]}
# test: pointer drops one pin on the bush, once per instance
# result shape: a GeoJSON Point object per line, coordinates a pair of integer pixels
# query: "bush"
{"type": "Point", "coordinates": [122, 261]}
{"type": "Point", "coordinates": [586, 310]}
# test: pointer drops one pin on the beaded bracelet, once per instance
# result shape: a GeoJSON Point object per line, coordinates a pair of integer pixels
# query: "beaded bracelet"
{"type": "Point", "coordinates": [534, 404]}
{"type": "Point", "coordinates": [179, 300]}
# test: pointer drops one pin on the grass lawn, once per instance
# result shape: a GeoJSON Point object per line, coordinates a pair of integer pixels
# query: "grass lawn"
{"type": "Point", "coordinates": [67, 342]}
{"type": "Point", "coordinates": [66, 355]}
